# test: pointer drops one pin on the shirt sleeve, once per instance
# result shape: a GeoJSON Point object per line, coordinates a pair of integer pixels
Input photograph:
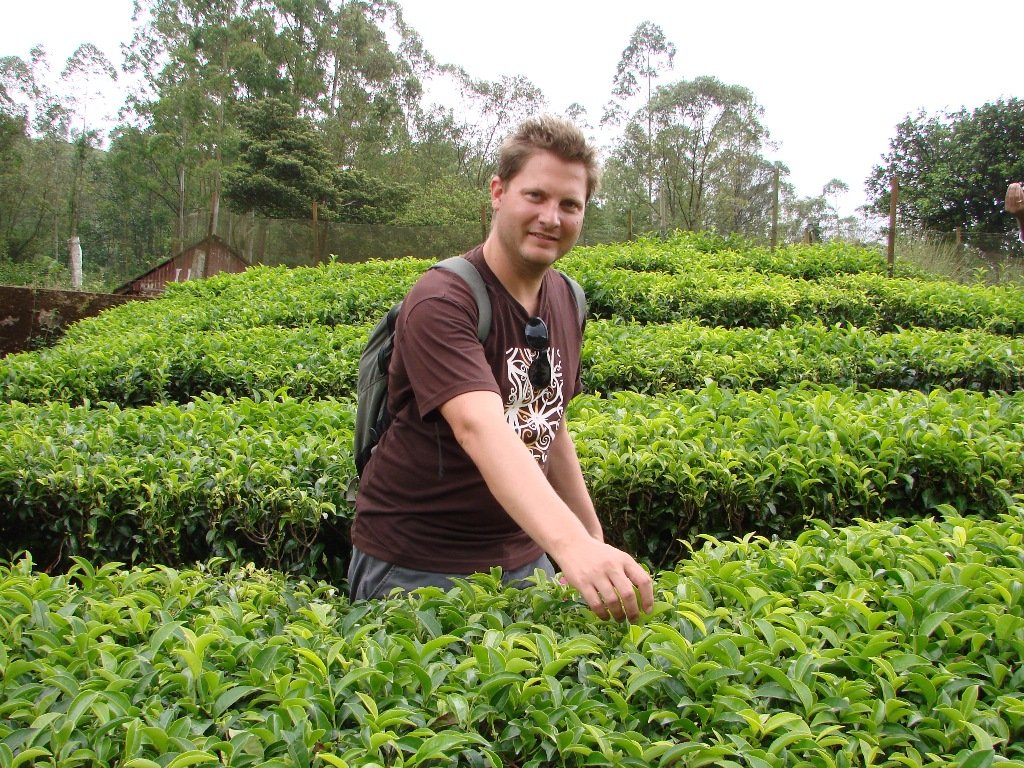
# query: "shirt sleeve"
{"type": "Point", "coordinates": [439, 352]}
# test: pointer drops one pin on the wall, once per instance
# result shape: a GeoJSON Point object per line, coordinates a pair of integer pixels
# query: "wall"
{"type": "Point", "coordinates": [35, 317]}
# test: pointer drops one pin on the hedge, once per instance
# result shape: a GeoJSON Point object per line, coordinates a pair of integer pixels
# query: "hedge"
{"type": "Point", "coordinates": [887, 644]}
{"type": "Point", "coordinates": [321, 361]}
{"type": "Point", "coordinates": [266, 479]}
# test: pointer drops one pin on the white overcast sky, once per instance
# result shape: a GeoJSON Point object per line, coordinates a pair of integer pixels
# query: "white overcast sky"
{"type": "Point", "coordinates": [834, 78]}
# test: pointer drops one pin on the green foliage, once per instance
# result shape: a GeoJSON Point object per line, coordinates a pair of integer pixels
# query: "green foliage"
{"type": "Point", "coordinates": [953, 168]}
{"type": "Point", "coordinates": [283, 165]}
{"type": "Point", "coordinates": [683, 252]}
{"type": "Point", "coordinates": [693, 144]}
{"type": "Point", "coordinates": [664, 469]}
{"type": "Point", "coordinates": [306, 328]}
{"type": "Point", "coordinates": [369, 200]}
{"type": "Point", "coordinates": [880, 623]}
{"type": "Point", "coordinates": [40, 272]}
{"type": "Point", "coordinates": [758, 424]}
{"type": "Point", "coordinates": [889, 644]}
{"type": "Point", "coordinates": [255, 479]}
{"type": "Point", "coordinates": [444, 201]}
{"type": "Point", "coordinates": [757, 299]}
{"type": "Point", "coordinates": [264, 479]}
{"type": "Point", "coordinates": [687, 354]}
{"type": "Point", "coordinates": [313, 360]}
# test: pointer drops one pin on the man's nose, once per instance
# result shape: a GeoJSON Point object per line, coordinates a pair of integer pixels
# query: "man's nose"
{"type": "Point", "coordinates": [551, 214]}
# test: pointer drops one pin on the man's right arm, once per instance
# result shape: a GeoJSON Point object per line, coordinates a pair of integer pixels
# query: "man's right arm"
{"type": "Point", "coordinates": [611, 581]}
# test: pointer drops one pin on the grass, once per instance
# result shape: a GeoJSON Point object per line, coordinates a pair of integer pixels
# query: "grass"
{"type": "Point", "coordinates": [986, 259]}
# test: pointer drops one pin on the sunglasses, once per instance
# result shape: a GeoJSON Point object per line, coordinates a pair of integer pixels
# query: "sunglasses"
{"type": "Point", "coordinates": [537, 339]}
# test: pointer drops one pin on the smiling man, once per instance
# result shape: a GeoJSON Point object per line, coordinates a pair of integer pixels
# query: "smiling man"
{"type": "Point", "coordinates": [477, 468]}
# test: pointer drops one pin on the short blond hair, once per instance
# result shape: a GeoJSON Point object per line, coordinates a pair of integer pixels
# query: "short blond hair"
{"type": "Point", "coordinates": [554, 134]}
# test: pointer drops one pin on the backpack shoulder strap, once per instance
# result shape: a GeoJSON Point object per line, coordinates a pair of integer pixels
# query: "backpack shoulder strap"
{"type": "Point", "coordinates": [464, 269]}
{"type": "Point", "coordinates": [581, 298]}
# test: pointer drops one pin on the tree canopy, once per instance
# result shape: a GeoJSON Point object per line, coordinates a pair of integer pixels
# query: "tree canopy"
{"type": "Point", "coordinates": [274, 105]}
{"type": "Point", "coordinates": [283, 165]}
{"type": "Point", "coordinates": [953, 168]}
{"type": "Point", "coordinates": [705, 138]}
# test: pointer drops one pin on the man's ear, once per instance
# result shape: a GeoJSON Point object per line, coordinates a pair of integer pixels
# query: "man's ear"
{"type": "Point", "coordinates": [497, 190]}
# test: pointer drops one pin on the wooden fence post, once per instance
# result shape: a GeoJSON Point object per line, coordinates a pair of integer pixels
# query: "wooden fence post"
{"type": "Point", "coordinates": [775, 208]}
{"type": "Point", "coordinates": [316, 234]}
{"type": "Point", "coordinates": [891, 252]}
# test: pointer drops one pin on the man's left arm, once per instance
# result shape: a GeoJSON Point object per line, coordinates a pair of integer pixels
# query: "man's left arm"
{"type": "Point", "coordinates": [566, 477]}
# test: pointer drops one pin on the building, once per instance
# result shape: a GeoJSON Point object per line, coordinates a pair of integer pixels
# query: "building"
{"type": "Point", "coordinates": [207, 258]}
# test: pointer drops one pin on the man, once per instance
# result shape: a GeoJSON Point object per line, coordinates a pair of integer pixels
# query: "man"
{"type": "Point", "coordinates": [1015, 205]}
{"type": "Point", "coordinates": [477, 468]}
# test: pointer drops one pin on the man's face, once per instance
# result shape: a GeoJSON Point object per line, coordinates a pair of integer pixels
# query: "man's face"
{"type": "Point", "coordinates": [538, 213]}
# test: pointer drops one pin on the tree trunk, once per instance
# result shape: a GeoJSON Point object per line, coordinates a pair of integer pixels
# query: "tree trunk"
{"type": "Point", "coordinates": [75, 256]}
{"type": "Point", "coordinates": [214, 207]}
{"type": "Point", "coordinates": [180, 240]}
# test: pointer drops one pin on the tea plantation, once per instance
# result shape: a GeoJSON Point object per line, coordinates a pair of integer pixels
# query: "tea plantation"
{"type": "Point", "coordinates": [820, 463]}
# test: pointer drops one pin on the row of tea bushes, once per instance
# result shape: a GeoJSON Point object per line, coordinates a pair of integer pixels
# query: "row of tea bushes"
{"type": "Point", "coordinates": [686, 355]}
{"type": "Point", "coordinates": [753, 299]}
{"type": "Point", "coordinates": [351, 294]}
{"type": "Point", "coordinates": [146, 368]}
{"type": "Point", "coordinates": [735, 461]}
{"type": "Point", "coordinates": [248, 479]}
{"type": "Point", "coordinates": [329, 294]}
{"type": "Point", "coordinates": [683, 252]}
{"type": "Point", "coordinates": [883, 644]}
{"type": "Point", "coordinates": [266, 479]}
{"type": "Point", "coordinates": [358, 294]}
{"type": "Point", "coordinates": [321, 361]}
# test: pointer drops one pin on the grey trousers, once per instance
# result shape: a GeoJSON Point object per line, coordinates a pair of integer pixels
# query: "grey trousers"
{"type": "Point", "coordinates": [370, 577]}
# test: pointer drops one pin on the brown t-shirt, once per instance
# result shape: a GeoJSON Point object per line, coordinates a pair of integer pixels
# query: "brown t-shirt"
{"type": "Point", "coordinates": [422, 503]}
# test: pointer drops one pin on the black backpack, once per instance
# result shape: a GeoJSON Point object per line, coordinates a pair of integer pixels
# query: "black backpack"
{"type": "Point", "coordinates": [372, 417]}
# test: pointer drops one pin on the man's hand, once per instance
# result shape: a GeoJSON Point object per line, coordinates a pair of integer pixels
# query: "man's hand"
{"type": "Point", "coordinates": [612, 582]}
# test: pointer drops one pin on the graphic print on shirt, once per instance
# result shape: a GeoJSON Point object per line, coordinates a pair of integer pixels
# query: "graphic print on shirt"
{"type": "Point", "coordinates": [533, 413]}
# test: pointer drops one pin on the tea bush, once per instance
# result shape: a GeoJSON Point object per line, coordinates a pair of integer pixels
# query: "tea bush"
{"type": "Point", "coordinates": [789, 439]}
{"type": "Point", "coordinates": [887, 644]}
{"type": "Point", "coordinates": [141, 368]}
{"type": "Point", "coordinates": [265, 479]}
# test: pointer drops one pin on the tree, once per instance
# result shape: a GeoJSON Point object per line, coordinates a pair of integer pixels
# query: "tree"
{"type": "Point", "coordinates": [283, 166]}
{"type": "Point", "coordinates": [83, 77]}
{"type": "Point", "coordinates": [744, 194]}
{"type": "Point", "coordinates": [333, 62]}
{"type": "Point", "coordinates": [136, 213]}
{"type": "Point", "coordinates": [813, 218]}
{"type": "Point", "coordinates": [445, 200]}
{"type": "Point", "coordinates": [705, 133]}
{"type": "Point", "coordinates": [648, 54]}
{"type": "Point", "coordinates": [199, 60]}
{"type": "Point", "coordinates": [491, 110]}
{"type": "Point", "coordinates": [42, 176]}
{"type": "Point", "coordinates": [953, 168]}
{"type": "Point", "coordinates": [367, 199]}
{"type": "Point", "coordinates": [371, 86]}
{"type": "Point", "coordinates": [26, 91]}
